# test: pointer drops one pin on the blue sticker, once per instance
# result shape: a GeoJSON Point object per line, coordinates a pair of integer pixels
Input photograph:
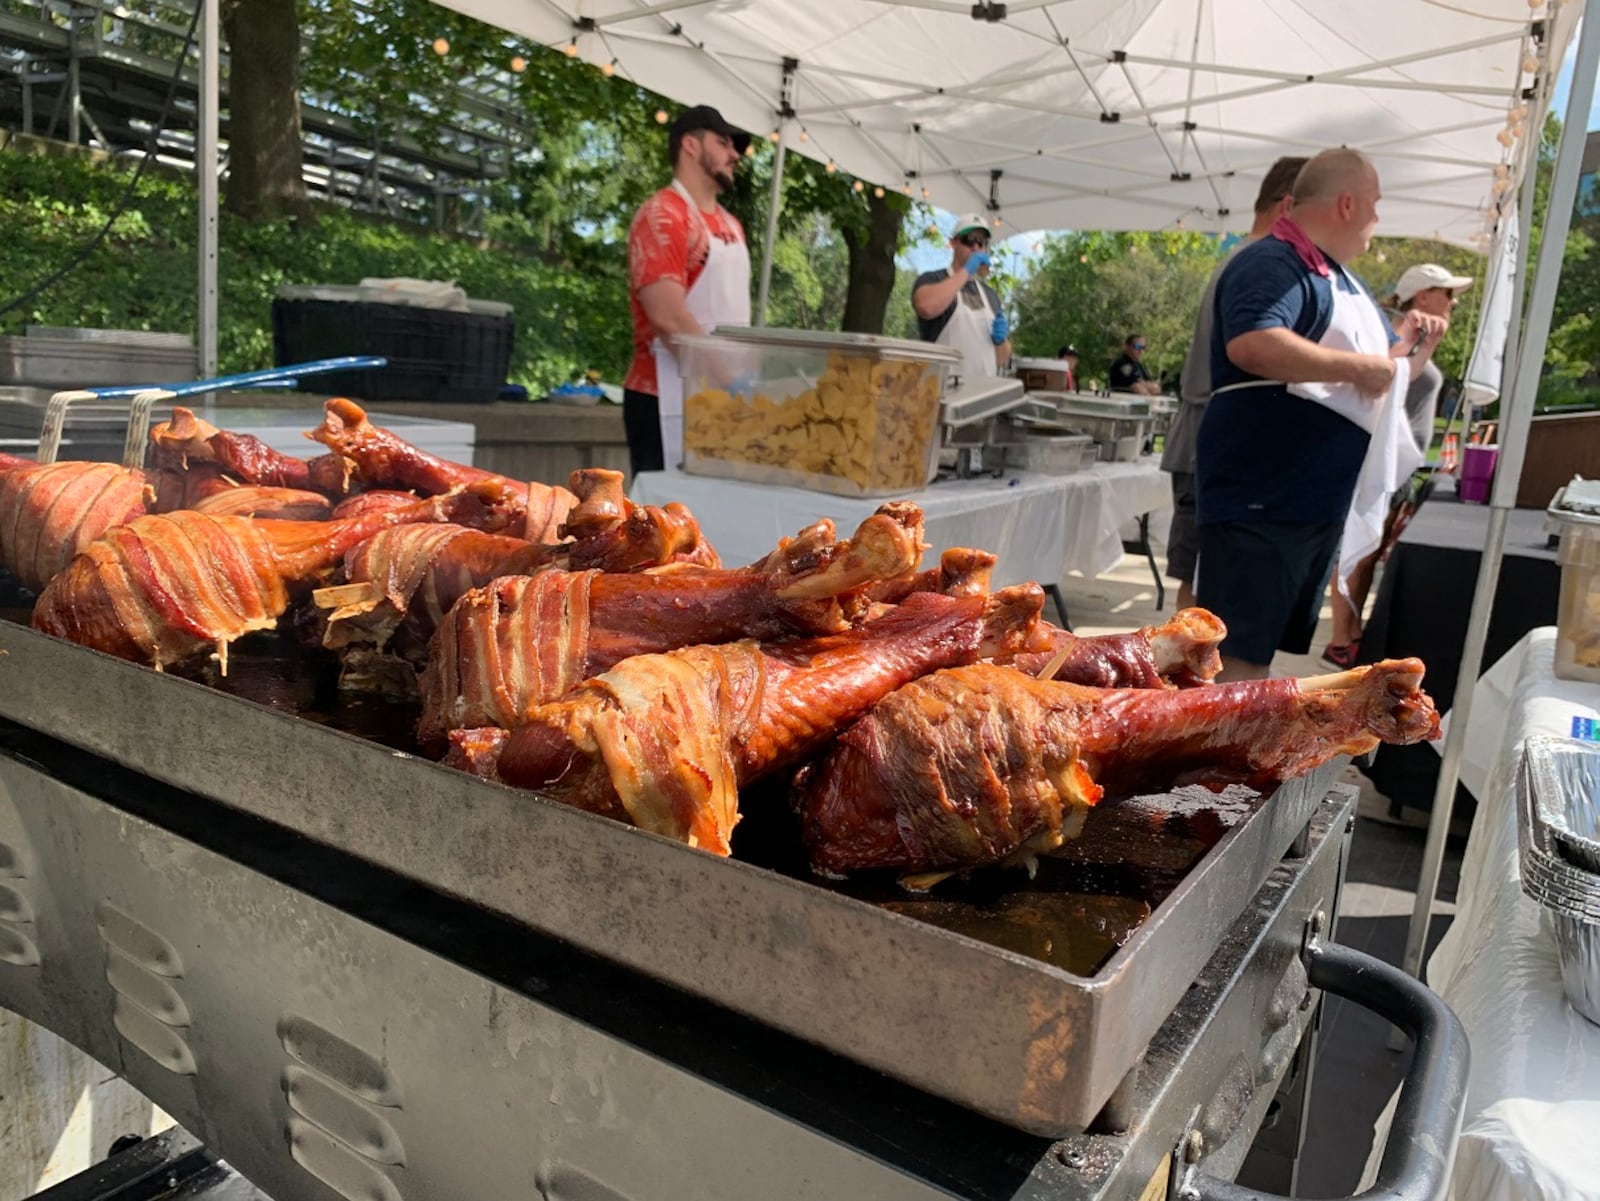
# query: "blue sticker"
{"type": "Point", "coordinates": [1586, 729]}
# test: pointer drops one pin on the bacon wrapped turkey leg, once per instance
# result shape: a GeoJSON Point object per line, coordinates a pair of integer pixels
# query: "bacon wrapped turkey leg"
{"type": "Point", "coordinates": [381, 459]}
{"type": "Point", "coordinates": [166, 587]}
{"type": "Point", "coordinates": [523, 641]}
{"type": "Point", "coordinates": [667, 741]}
{"type": "Point", "coordinates": [978, 764]}
{"type": "Point", "coordinates": [51, 511]}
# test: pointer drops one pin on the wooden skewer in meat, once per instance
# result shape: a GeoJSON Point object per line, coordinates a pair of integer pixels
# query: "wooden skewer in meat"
{"type": "Point", "coordinates": [381, 459]}
{"type": "Point", "coordinates": [51, 511]}
{"type": "Point", "coordinates": [167, 587]}
{"type": "Point", "coordinates": [667, 741]}
{"type": "Point", "coordinates": [520, 642]}
{"type": "Point", "coordinates": [979, 764]}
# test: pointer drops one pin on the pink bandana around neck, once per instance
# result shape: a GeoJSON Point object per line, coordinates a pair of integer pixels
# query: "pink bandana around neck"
{"type": "Point", "coordinates": [1286, 229]}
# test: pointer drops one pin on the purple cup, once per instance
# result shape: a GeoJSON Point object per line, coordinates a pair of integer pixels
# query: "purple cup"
{"type": "Point", "coordinates": [1477, 463]}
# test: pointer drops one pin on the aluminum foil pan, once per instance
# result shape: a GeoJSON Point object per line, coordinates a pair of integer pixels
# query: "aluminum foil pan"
{"type": "Point", "coordinates": [1558, 829]}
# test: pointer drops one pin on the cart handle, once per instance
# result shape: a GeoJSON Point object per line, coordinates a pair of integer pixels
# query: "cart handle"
{"type": "Point", "coordinates": [144, 396]}
{"type": "Point", "coordinates": [1421, 1147]}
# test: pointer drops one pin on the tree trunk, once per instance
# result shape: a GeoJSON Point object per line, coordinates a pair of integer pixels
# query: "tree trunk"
{"type": "Point", "coordinates": [872, 271]}
{"type": "Point", "coordinates": [264, 139]}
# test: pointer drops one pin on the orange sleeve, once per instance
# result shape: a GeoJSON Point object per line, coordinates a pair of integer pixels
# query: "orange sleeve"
{"type": "Point", "coordinates": [658, 242]}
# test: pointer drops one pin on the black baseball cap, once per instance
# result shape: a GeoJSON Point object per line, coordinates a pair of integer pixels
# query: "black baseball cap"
{"type": "Point", "coordinates": [704, 117]}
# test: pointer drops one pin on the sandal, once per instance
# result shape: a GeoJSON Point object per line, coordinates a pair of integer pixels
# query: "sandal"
{"type": "Point", "coordinates": [1342, 655]}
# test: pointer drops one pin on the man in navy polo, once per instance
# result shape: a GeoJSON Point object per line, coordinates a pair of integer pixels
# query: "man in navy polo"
{"type": "Point", "coordinates": [1300, 356]}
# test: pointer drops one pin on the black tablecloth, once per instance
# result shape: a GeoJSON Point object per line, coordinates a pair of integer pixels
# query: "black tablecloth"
{"type": "Point", "coordinates": [1422, 607]}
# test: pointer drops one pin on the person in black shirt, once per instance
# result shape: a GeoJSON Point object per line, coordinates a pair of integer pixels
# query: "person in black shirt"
{"type": "Point", "coordinates": [1128, 373]}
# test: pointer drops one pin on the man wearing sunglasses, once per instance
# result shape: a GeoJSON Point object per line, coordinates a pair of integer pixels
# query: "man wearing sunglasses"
{"type": "Point", "coordinates": [1128, 373]}
{"type": "Point", "coordinates": [956, 308]}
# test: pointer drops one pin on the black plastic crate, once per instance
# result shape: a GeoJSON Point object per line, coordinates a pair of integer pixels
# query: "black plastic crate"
{"type": "Point", "coordinates": [434, 354]}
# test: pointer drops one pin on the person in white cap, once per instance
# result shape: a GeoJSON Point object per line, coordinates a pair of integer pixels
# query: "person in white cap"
{"type": "Point", "coordinates": [1434, 290]}
{"type": "Point", "coordinates": [956, 308]}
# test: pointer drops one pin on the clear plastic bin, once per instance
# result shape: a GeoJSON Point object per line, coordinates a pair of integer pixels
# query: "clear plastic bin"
{"type": "Point", "coordinates": [1578, 614]}
{"type": "Point", "coordinates": [846, 414]}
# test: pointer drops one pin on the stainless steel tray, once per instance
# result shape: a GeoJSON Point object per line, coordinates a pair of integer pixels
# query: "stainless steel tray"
{"type": "Point", "coordinates": [1028, 1043]}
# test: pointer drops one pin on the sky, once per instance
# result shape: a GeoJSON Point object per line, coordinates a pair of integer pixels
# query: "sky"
{"type": "Point", "coordinates": [928, 258]}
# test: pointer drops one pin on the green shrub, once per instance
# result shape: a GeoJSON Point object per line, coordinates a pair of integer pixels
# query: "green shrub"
{"type": "Point", "coordinates": [143, 276]}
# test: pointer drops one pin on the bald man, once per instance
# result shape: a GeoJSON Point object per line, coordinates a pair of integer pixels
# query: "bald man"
{"type": "Point", "coordinates": [1301, 356]}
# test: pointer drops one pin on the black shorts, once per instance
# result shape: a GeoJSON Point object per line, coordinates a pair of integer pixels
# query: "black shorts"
{"type": "Point", "coordinates": [1183, 537]}
{"type": "Point", "coordinates": [641, 421]}
{"type": "Point", "coordinates": [1266, 582]}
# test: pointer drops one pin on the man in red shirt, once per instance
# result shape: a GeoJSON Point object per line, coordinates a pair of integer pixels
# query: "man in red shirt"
{"type": "Point", "coordinates": [688, 271]}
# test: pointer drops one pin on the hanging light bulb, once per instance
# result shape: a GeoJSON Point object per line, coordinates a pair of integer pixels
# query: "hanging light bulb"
{"type": "Point", "coordinates": [1530, 65]}
{"type": "Point", "coordinates": [1181, 225]}
{"type": "Point", "coordinates": [661, 116]}
{"type": "Point", "coordinates": [804, 136]}
{"type": "Point", "coordinates": [1036, 248]}
{"type": "Point", "coordinates": [997, 220]}
{"type": "Point", "coordinates": [774, 137]}
{"type": "Point", "coordinates": [1501, 171]}
{"type": "Point", "coordinates": [1516, 130]}
{"type": "Point", "coordinates": [878, 192]}
{"type": "Point", "coordinates": [572, 48]}
{"type": "Point", "coordinates": [1501, 187]}
{"type": "Point", "coordinates": [1503, 137]}
{"type": "Point", "coordinates": [832, 167]}
{"type": "Point", "coordinates": [1083, 258]}
{"type": "Point", "coordinates": [906, 189]}
{"type": "Point", "coordinates": [749, 150]}
{"type": "Point", "coordinates": [609, 69]}
{"type": "Point", "coordinates": [927, 195]}
{"type": "Point", "coordinates": [859, 186]}
{"type": "Point", "coordinates": [1519, 112]}
{"type": "Point", "coordinates": [441, 46]}
{"type": "Point", "coordinates": [518, 64]}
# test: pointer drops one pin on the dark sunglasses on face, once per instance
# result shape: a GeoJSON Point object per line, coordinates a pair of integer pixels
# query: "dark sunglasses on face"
{"type": "Point", "coordinates": [1138, 345]}
{"type": "Point", "coordinates": [975, 243]}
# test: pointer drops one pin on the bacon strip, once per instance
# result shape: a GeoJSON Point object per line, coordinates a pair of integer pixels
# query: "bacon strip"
{"type": "Point", "coordinates": [51, 511]}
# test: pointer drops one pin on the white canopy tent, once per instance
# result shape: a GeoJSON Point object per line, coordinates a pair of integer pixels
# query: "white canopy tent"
{"type": "Point", "coordinates": [1097, 114]}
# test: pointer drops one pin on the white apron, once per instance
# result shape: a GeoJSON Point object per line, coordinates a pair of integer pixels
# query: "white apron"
{"type": "Point", "coordinates": [968, 331]}
{"type": "Point", "coordinates": [1392, 454]}
{"type": "Point", "coordinates": [719, 296]}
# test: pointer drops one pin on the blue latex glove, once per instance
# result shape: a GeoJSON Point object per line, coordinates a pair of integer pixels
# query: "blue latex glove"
{"type": "Point", "coordinates": [981, 259]}
{"type": "Point", "coordinates": [1000, 330]}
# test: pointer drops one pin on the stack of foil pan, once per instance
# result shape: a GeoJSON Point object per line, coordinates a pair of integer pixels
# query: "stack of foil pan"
{"type": "Point", "coordinates": [1558, 826]}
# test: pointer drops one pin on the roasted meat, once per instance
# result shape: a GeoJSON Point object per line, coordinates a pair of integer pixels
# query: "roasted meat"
{"type": "Point", "coordinates": [51, 511]}
{"type": "Point", "coordinates": [666, 741]}
{"type": "Point", "coordinates": [978, 764]}
{"type": "Point", "coordinates": [187, 441]}
{"type": "Point", "coordinates": [1181, 652]}
{"type": "Point", "coordinates": [522, 641]}
{"type": "Point", "coordinates": [381, 459]}
{"type": "Point", "coordinates": [166, 587]}
{"type": "Point", "coordinates": [280, 504]}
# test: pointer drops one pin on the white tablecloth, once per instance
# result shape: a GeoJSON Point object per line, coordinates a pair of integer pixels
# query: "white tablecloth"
{"type": "Point", "coordinates": [1531, 1128]}
{"type": "Point", "coordinates": [1039, 526]}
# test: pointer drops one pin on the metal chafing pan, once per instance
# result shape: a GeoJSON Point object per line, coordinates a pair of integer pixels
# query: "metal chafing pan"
{"type": "Point", "coordinates": [906, 986]}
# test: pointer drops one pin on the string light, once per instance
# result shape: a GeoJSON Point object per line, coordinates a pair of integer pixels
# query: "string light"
{"type": "Point", "coordinates": [831, 167]}
{"type": "Point", "coordinates": [878, 192]}
{"type": "Point", "coordinates": [997, 220]}
{"type": "Point", "coordinates": [906, 189]}
{"type": "Point", "coordinates": [858, 185]}
{"type": "Point", "coordinates": [572, 48]}
{"type": "Point", "coordinates": [1083, 258]}
{"type": "Point", "coordinates": [774, 136]}
{"type": "Point", "coordinates": [1530, 65]}
{"type": "Point", "coordinates": [518, 64]}
{"type": "Point", "coordinates": [749, 150]}
{"type": "Point", "coordinates": [1516, 130]}
{"type": "Point", "coordinates": [609, 69]}
{"type": "Point", "coordinates": [661, 116]}
{"type": "Point", "coordinates": [1503, 137]}
{"type": "Point", "coordinates": [441, 46]}
{"type": "Point", "coordinates": [1501, 187]}
{"type": "Point", "coordinates": [804, 136]}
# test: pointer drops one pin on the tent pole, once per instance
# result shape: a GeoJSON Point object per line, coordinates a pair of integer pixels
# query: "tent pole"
{"type": "Point", "coordinates": [205, 169]}
{"type": "Point", "coordinates": [774, 204]}
{"type": "Point", "coordinates": [1516, 416]}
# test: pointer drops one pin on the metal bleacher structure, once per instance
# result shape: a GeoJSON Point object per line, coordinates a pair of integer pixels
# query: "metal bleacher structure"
{"type": "Point", "coordinates": [96, 72]}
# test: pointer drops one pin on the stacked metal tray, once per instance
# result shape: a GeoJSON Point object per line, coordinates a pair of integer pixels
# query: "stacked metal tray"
{"type": "Point", "coordinates": [1558, 827]}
